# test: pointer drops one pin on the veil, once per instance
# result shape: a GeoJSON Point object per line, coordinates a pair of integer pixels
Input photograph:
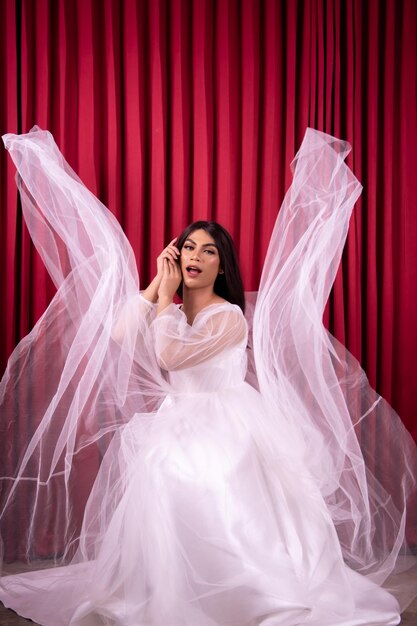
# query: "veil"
{"type": "Point", "coordinates": [69, 384]}
{"type": "Point", "coordinates": [356, 447]}
{"type": "Point", "coordinates": [73, 383]}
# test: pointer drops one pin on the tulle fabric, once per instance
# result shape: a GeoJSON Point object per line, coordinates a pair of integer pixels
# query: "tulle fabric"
{"type": "Point", "coordinates": [250, 498]}
{"type": "Point", "coordinates": [356, 447]}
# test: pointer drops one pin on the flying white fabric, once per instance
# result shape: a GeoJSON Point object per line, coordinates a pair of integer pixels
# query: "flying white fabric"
{"type": "Point", "coordinates": [215, 503]}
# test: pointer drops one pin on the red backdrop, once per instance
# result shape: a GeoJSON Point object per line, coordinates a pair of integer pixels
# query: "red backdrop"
{"type": "Point", "coordinates": [174, 110]}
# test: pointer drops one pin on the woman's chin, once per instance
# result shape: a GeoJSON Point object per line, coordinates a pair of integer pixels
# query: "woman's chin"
{"type": "Point", "coordinates": [191, 281]}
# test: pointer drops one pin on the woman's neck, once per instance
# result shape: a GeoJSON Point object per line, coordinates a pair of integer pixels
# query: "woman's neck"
{"type": "Point", "coordinates": [194, 300]}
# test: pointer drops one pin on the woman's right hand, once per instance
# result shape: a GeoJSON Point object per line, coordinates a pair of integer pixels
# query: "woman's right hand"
{"type": "Point", "coordinates": [170, 253]}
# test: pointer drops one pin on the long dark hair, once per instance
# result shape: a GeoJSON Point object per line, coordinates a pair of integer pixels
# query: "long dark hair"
{"type": "Point", "coordinates": [228, 285]}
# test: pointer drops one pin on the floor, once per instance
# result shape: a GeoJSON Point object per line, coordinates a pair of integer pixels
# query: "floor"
{"type": "Point", "coordinates": [407, 619]}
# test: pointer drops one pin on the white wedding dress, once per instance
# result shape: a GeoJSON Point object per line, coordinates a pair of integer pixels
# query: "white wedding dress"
{"type": "Point", "coordinates": [227, 495]}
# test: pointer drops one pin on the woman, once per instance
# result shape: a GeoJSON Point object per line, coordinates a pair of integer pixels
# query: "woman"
{"type": "Point", "coordinates": [215, 503]}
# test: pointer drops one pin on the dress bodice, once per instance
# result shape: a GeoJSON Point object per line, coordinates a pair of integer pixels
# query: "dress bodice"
{"type": "Point", "coordinates": [207, 356]}
{"type": "Point", "coordinates": [223, 371]}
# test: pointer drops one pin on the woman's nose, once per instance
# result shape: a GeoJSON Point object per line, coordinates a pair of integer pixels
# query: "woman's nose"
{"type": "Point", "coordinates": [195, 255]}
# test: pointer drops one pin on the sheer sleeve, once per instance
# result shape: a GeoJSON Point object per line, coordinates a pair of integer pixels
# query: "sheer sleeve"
{"type": "Point", "coordinates": [179, 345]}
{"type": "Point", "coordinates": [134, 319]}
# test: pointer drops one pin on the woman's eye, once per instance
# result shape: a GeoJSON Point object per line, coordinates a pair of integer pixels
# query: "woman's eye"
{"type": "Point", "coordinates": [188, 247]}
{"type": "Point", "coordinates": [210, 251]}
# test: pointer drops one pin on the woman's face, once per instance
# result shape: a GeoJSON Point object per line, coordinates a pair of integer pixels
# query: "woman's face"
{"type": "Point", "coordinates": [200, 260]}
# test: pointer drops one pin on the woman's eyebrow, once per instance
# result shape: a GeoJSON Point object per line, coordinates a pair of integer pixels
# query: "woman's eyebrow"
{"type": "Point", "coordinates": [204, 244]}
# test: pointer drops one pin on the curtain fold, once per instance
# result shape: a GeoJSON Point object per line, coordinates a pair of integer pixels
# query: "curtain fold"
{"type": "Point", "coordinates": [174, 110]}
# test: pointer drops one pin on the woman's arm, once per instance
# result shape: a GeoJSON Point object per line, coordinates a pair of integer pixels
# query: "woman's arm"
{"type": "Point", "coordinates": [134, 319]}
{"type": "Point", "coordinates": [139, 311]}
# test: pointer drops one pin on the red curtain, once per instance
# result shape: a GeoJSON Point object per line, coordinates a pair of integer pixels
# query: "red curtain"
{"type": "Point", "coordinates": [173, 110]}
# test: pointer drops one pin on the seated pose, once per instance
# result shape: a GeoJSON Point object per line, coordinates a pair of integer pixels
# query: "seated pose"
{"type": "Point", "coordinates": [235, 484]}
